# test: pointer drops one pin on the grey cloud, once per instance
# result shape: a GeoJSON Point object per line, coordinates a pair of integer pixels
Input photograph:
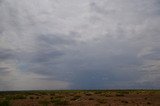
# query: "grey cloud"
{"type": "Point", "coordinates": [105, 69]}
{"type": "Point", "coordinates": [6, 54]}
{"type": "Point", "coordinates": [88, 79]}
{"type": "Point", "coordinates": [55, 39]}
{"type": "Point", "coordinates": [43, 61]}
{"type": "Point", "coordinates": [100, 10]}
{"type": "Point", "coordinates": [90, 44]}
{"type": "Point", "coordinates": [4, 71]}
{"type": "Point", "coordinates": [46, 55]}
{"type": "Point", "coordinates": [49, 69]}
{"type": "Point", "coordinates": [101, 75]}
{"type": "Point", "coordinates": [154, 55]}
{"type": "Point", "coordinates": [5, 84]}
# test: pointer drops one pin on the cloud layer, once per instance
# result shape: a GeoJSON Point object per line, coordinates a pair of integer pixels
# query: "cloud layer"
{"type": "Point", "coordinates": [86, 44]}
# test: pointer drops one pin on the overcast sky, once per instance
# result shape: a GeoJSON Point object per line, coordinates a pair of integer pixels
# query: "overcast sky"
{"type": "Point", "coordinates": [79, 44]}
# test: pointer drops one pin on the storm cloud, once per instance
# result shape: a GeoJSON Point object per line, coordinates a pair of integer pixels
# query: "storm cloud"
{"type": "Point", "coordinates": [85, 44]}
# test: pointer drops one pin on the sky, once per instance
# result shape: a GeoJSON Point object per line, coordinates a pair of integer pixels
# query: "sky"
{"type": "Point", "coordinates": [79, 44]}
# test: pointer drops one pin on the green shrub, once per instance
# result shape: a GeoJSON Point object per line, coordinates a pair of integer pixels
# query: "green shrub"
{"type": "Point", "coordinates": [8, 97]}
{"type": "Point", "coordinates": [60, 102]}
{"type": "Point", "coordinates": [98, 92]}
{"type": "Point", "coordinates": [5, 103]}
{"type": "Point", "coordinates": [120, 93]}
{"type": "Point", "coordinates": [19, 97]}
{"type": "Point", "coordinates": [15, 97]}
{"type": "Point", "coordinates": [59, 96]}
{"type": "Point", "coordinates": [52, 94]}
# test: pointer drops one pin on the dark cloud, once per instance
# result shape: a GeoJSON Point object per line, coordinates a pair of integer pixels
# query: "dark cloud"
{"type": "Point", "coordinates": [43, 61]}
{"type": "Point", "coordinates": [46, 56]}
{"type": "Point", "coordinates": [6, 54]}
{"type": "Point", "coordinates": [88, 79]}
{"type": "Point", "coordinates": [54, 40]}
{"type": "Point", "coordinates": [48, 69]}
{"type": "Point", "coordinates": [102, 73]}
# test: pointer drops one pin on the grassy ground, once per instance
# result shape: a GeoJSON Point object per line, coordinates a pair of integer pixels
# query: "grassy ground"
{"type": "Point", "coordinates": [81, 98]}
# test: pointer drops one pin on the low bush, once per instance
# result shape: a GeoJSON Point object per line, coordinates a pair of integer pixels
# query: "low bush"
{"type": "Point", "coordinates": [91, 99]}
{"type": "Point", "coordinates": [103, 101]}
{"type": "Point", "coordinates": [37, 97]}
{"type": "Point", "coordinates": [44, 102]}
{"type": "Point", "coordinates": [5, 103]}
{"type": "Point", "coordinates": [31, 97]}
{"type": "Point", "coordinates": [19, 97]}
{"type": "Point", "coordinates": [60, 102]}
{"type": "Point", "coordinates": [76, 97]}
{"type": "Point", "coordinates": [119, 94]}
{"type": "Point", "coordinates": [15, 97]}
{"type": "Point", "coordinates": [123, 101]}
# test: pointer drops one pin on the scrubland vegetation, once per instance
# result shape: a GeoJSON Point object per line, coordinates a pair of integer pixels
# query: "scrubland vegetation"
{"type": "Point", "coordinates": [81, 98]}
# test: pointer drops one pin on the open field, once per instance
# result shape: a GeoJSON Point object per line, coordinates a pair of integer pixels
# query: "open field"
{"type": "Point", "coordinates": [81, 98]}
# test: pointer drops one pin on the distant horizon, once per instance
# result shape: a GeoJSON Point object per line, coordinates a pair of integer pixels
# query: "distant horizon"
{"type": "Point", "coordinates": [145, 89]}
{"type": "Point", "coordinates": [80, 90]}
{"type": "Point", "coordinates": [79, 44]}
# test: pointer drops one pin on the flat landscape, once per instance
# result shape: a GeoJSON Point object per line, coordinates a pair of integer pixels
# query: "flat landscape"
{"type": "Point", "coordinates": [81, 98]}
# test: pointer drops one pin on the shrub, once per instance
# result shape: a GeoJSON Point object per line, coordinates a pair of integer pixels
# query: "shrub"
{"type": "Point", "coordinates": [37, 97]}
{"type": "Point", "coordinates": [31, 97]}
{"type": "Point", "coordinates": [52, 94]}
{"type": "Point", "coordinates": [148, 103]}
{"type": "Point", "coordinates": [98, 92]}
{"type": "Point", "coordinates": [123, 101]}
{"type": "Point", "coordinates": [19, 97]}
{"type": "Point", "coordinates": [5, 103]}
{"type": "Point", "coordinates": [107, 95]}
{"type": "Point", "coordinates": [103, 101]}
{"type": "Point", "coordinates": [15, 97]}
{"type": "Point", "coordinates": [59, 96]}
{"type": "Point", "coordinates": [8, 97]}
{"type": "Point", "coordinates": [91, 99]}
{"type": "Point", "coordinates": [119, 94]}
{"type": "Point", "coordinates": [60, 102]}
{"type": "Point", "coordinates": [122, 93]}
{"type": "Point", "coordinates": [88, 94]}
{"type": "Point", "coordinates": [44, 102]}
{"type": "Point", "coordinates": [76, 97]}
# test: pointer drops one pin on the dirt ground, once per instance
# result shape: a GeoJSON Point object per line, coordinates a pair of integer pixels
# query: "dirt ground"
{"type": "Point", "coordinates": [81, 98]}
